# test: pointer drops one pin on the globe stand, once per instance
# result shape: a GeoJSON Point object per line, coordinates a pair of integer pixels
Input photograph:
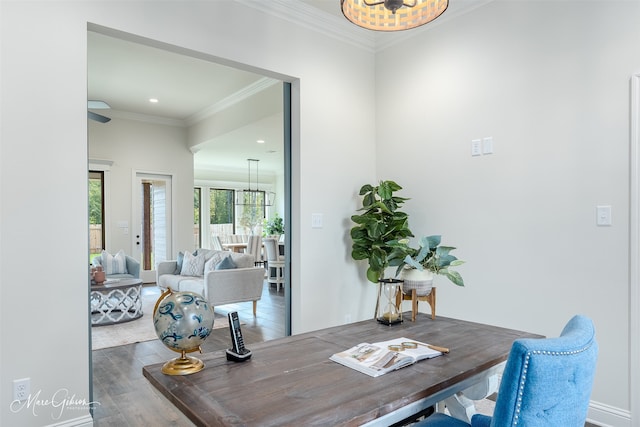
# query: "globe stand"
{"type": "Point", "coordinates": [183, 365]}
{"type": "Point", "coordinates": [182, 320]}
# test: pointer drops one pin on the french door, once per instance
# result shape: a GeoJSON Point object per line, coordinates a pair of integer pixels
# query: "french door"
{"type": "Point", "coordinates": [152, 219]}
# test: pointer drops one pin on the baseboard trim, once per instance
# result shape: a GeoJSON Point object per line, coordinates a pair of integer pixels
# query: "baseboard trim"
{"type": "Point", "coordinates": [84, 421]}
{"type": "Point", "coordinates": [608, 416]}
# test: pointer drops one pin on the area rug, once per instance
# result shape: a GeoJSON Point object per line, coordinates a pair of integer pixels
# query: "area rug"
{"type": "Point", "coordinates": [138, 330]}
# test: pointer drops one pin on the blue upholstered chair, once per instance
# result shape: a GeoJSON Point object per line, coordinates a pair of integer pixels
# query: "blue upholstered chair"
{"type": "Point", "coordinates": [546, 382]}
{"type": "Point", "coordinates": [130, 269]}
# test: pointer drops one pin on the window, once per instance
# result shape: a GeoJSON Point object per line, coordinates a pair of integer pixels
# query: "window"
{"type": "Point", "coordinates": [96, 213]}
{"type": "Point", "coordinates": [226, 217]}
{"type": "Point", "coordinates": [221, 212]}
{"type": "Point", "coordinates": [251, 211]}
{"type": "Point", "coordinates": [197, 209]}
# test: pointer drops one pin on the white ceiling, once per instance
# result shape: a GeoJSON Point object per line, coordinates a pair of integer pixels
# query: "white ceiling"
{"type": "Point", "coordinates": [127, 74]}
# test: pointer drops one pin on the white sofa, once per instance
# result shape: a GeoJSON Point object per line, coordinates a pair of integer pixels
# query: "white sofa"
{"type": "Point", "coordinates": [219, 287]}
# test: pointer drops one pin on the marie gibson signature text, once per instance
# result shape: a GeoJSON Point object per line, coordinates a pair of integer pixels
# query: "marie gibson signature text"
{"type": "Point", "coordinates": [60, 400]}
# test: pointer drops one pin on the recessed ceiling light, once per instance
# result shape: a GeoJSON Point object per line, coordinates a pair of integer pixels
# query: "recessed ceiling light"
{"type": "Point", "coordinates": [260, 141]}
{"type": "Point", "coordinates": [153, 100]}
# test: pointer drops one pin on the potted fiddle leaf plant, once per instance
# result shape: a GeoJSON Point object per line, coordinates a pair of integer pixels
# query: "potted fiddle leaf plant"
{"type": "Point", "coordinates": [379, 226]}
{"type": "Point", "coordinates": [420, 265]}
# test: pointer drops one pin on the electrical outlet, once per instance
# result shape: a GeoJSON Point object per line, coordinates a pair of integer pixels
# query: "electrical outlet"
{"type": "Point", "coordinates": [21, 389]}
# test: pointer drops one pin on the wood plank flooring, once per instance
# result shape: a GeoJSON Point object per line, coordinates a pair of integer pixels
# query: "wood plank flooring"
{"type": "Point", "coordinates": [126, 398]}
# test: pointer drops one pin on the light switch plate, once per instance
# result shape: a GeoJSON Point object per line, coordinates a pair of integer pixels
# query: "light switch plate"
{"type": "Point", "coordinates": [603, 215]}
{"type": "Point", "coordinates": [487, 145]}
{"type": "Point", "coordinates": [476, 147]}
{"type": "Point", "coordinates": [316, 220]}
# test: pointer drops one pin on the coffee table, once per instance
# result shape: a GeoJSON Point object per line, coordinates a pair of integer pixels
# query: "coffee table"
{"type": "Point", "coordinates": [116, 301]}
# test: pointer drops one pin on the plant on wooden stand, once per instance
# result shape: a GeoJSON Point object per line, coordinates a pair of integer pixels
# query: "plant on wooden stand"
{"type": "Point", "coordinates": [379, 227]}
{"type": "Point", "coordinates": [431, 258]}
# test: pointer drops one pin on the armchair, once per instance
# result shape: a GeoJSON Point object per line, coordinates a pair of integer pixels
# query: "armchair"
{"type": "Point", "coordinates": [546, 382]}
{"type": "Point", "coordinates": [132, 267]}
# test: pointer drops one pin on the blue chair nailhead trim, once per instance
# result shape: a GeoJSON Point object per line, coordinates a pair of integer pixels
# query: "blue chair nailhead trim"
{"type": "Point", "coordinates": [526, 367]}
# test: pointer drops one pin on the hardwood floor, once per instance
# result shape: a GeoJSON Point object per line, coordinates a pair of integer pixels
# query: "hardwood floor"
{"type": "Point", "coordinates": [125, 398]}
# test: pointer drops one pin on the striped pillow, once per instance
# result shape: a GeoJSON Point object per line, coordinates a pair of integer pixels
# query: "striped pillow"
{"type": "Point", "coordinates": [114, 264]}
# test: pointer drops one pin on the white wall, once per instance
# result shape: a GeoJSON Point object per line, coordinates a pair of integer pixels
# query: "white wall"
{"type": "Point", "coordinates": [554, 97]}
{"type": "Point", "coordinates": [43, 129]}
{"type": "Point", "coordinates": [135, 146]}
{"type": "Point", "coordinates": [549, 81]}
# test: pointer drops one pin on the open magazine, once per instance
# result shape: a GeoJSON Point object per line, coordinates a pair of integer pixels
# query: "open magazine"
{"type": "Point", "coordinates": [381, 357]}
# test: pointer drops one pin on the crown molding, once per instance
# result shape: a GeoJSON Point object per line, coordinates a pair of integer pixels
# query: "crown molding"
{"type": "Point", "coordinates": [244, 93]}
{"type": "Point", "coordinates": [314, 19]}
{"type": "Point", "coordinates": [339, 28]}
{"type": "Point", "coordinates": [146, 118]}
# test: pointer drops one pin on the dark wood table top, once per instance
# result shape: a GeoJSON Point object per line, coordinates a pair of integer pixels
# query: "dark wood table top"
{"type": "Point", "coordinates": [291, 381]}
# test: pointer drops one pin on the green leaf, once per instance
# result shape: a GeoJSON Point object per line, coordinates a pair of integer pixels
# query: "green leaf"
{"type": "Point", "coordinates": [391, 185]}
{"type": "Point", "coordinates": [445, 260]}
{"type": "Point", "coordinates": [372, 275]}
{"type": "Point", "coordinates": [455, 277]}
{"type": "Point", "coordinates": [365, 189]}
{"type": "Point", "coordinates": [368, 200]}
{"type": "Point", "coordinates": [433, 241]}
{"type": "Point", "coordinates": [359, 254]}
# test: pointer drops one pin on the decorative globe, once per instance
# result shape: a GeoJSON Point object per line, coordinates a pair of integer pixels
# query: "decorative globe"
{"type": "Point", "coordinates": [182, 320]}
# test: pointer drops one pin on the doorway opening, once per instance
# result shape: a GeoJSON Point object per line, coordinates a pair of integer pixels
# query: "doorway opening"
{"type": "Point", "coordinates": [142, 220]}
{"type": "Point", "coordinates": [153, 222]}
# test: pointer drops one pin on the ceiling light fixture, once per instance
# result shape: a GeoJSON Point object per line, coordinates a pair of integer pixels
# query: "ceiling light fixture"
{"type": "Point", "coordinates": [251, 197]}
{"type": "Point", "coordinates": [153, 100]}
{"type": "Point", "coordinates": [392, 15]}
{"type": "Point", "coordinates": [260, 141]}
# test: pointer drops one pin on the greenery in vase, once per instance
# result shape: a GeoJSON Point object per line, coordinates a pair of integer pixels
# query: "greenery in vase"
{"type": "Point", "coordinates": [379, 228]}
{"type": "Point", "coordinates": [433, 257]}
{"type": "Point", "coordinates": [274, 226]}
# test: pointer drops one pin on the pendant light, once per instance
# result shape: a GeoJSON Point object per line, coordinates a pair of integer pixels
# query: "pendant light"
{"type": "Point", "coordinates": [254, 197]}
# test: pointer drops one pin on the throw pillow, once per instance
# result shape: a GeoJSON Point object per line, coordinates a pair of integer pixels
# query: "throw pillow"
{"type": "Point", "coordinates": [226, 264]}
{"type": "Point", "coordinates": [208, 253]}
{"type": "Point", "coordinates": [192, 265]}
{"type": "Point", "coordinates": [216, 257]}
{"type": "Point", "coordinates": [179, 261]}
{"type": "Point", "coordinates": [114, 264]}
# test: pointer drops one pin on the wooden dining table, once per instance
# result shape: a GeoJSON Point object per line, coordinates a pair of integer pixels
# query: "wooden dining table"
{"type": "Point", "coordinates": [235, 246]}
{"type": "Point", "coordinates": [291, 381]}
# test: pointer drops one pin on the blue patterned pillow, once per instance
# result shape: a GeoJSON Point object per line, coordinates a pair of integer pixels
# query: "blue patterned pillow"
{"type": "Point", "coordinates": [226, 264]}
{"type": "Point", "coordinates": [178, 269]}
{"type": "Point", "coordinates": [114, 264]}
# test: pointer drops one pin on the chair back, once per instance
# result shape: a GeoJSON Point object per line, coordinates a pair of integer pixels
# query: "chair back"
{"type": "Point", "coordinates": [271, 247]}
{"type": "Point", "coordinates": [254, 247]}
{"type": "Point", "coordinates": [547, 382]}
{"type": "Point", "coordinates": [216, 243]}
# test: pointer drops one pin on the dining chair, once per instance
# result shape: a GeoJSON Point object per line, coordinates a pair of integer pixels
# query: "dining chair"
{"type": "Point", "coordinates": [275, 264]}
{"type": "Point", "coordinates": [254, 247]}
{"type": "Point", "coordinates": [546, 382]}
{"type": "Point", "coordinates": [216, 243]}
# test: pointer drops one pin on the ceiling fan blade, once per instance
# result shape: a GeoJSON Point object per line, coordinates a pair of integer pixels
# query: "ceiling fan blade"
{"type": "Point", "coordinates": [97, 105]}
{"type": "Point", "coordinates": [97, 117]}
